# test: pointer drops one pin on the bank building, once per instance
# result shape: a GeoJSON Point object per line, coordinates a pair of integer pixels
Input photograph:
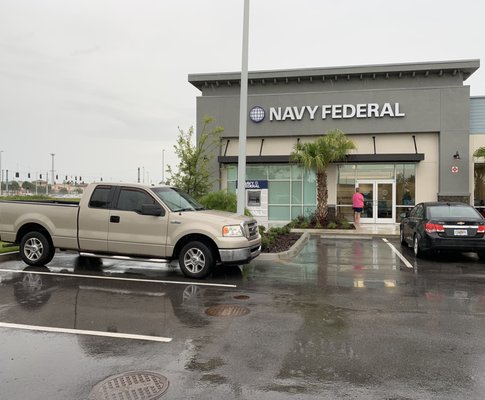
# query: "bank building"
{"type": "Point", "coordinates": [415, 127]}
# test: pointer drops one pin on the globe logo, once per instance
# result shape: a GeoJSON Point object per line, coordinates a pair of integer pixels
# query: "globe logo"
{"type": "Point", "coordinates": [256, 114]}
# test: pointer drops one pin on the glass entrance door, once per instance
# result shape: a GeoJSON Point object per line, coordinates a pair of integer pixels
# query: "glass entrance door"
{"type": "Point", "coordinates": [379, 201]}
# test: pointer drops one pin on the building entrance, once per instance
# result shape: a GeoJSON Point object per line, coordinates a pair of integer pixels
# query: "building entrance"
{"type": "Point", "coordinates": [379, 201]}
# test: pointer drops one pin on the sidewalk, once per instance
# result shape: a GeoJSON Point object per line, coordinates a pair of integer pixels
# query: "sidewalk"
{"type": "Point", "coordinates": [364, 230]}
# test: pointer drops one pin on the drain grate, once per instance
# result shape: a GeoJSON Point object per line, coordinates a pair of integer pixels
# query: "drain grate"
{"type": "Point", "coordinates": [134, 385]}
{"type": "Point", "coordinates": [225, 310]}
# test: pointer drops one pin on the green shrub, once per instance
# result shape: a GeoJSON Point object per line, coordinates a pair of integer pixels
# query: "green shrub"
{"type": "Point", "coordinates": [344, 224]}
{"type": "Point", "coordinates": [220, 200]}
{"type": "Point", "coordinates": [332, 225]}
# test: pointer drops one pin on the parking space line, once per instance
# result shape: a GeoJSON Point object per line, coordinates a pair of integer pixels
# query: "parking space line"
{"type": "Point", "coordinates": [399, 254]}
{"type": "Point", "coordinates": [119, 279]}
{"type": "Point", "coordinates": [83, 332]}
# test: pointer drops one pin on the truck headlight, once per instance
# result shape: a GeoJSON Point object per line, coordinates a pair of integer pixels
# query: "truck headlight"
{"type": "Point", "coordinates": [232, 230]}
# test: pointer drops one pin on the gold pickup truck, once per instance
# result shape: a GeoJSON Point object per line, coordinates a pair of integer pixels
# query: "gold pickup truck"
{"type": "Point", "coordinates": [157, 224]}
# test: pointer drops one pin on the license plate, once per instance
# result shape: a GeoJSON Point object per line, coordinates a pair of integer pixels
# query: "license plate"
{"type": "Point", "coordinates": [460, 232]}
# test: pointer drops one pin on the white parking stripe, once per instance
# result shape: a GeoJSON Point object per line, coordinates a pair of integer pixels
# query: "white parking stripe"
{"type": "Point", "coordinates": [83, 332]}
{"type": "Point", "coordinates": [399, 254]}
{"type": "Point", "coordinates": [119, 279]}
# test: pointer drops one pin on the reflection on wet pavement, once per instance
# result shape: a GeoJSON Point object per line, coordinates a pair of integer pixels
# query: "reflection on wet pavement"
{"type": "Point", "coordinates": [344, 319]}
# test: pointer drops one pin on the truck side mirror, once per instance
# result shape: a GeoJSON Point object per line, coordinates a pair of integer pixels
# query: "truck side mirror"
{"type": "Point", "coordinates": [152, 209]}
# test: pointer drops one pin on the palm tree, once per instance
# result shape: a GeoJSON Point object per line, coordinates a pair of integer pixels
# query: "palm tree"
{"type": "Point", "coordinates": [316, 156]}
{"type": "Point", "coordinates": [480, 152]}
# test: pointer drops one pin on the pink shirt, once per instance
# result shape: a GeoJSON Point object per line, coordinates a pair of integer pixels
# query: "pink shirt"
{"type": "Point", "coordinates": [358, 200]}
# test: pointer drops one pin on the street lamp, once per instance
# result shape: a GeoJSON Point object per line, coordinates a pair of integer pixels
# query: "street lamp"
{"type": "Point", "coordinates": [243, 108]}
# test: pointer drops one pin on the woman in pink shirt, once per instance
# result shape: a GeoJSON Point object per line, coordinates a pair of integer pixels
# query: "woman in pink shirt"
{"type": "Point", "coordinates": [357, 205]}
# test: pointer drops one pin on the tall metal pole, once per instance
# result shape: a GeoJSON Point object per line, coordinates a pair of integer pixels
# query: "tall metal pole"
{"type": "Point", "coordinates": [163, 166]}
{"type": "Point", "coordinates": [1, 172]}
{"type": "Point", "coordinates": [52, 171]}
{"type": "Point", "coordinates": [243, 109]}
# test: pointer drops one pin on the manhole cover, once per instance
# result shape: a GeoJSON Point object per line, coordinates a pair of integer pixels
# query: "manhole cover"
{"type": "Point", "coordinates": [139, 385]}
{"type": "Point", "coordinates": [225, 310]}
{"type": "Point", "coordinates": [241, 297]}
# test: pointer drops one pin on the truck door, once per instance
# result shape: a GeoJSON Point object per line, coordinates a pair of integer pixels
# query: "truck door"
{"type": "Point", "coordinates": [132, 233]}
{"type": "Point", "coordinates": [93, 220]}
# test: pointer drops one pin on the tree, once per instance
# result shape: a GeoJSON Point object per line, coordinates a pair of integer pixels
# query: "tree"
{"type": "Point", "coordinates": [193, 174]}
{"type": "Point", "coordinates": [317, 155]}
{"type": "Point", "coordinates": [480, 152]}
{"type": "Point", "coordinates": [14, 186]}
{"type": "Point", "coordinates": [28, 186]}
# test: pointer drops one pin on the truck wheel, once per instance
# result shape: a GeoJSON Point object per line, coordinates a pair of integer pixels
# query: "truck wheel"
{"type": "Point", "coordinates": [36, 249]}
{"type": "Point", "coordinates": [196, 260]}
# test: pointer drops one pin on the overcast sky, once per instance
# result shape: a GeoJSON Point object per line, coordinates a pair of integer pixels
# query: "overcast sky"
{"type": "Point", "coordinates": [103, 83]}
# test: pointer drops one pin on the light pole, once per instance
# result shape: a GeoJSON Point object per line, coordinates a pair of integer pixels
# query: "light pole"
{"type": "Point", "coordinates": [1, 172]}
{"type": "Point", "coordinates": [52, 171]}
{"type": "Point", "coordinates": [163, 166]}
{"type": "Point", "coordinates": [243, 107]}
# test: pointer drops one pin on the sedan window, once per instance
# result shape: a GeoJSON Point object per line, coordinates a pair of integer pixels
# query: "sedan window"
{"type": "Point", "coordinates": [447, 211]}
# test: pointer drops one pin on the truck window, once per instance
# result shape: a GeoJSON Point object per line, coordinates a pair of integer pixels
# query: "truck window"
{"type": "Point", "coordinates": [132, 199]}
{"type": "Point", "coordinates": [100, 197]}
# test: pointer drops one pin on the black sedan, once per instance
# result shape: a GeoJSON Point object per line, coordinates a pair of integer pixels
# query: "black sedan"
{"type": "Point", "coordinates": [440, 226]}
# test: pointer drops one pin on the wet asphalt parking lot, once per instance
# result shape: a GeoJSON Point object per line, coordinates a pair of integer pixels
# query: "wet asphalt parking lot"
{"type": "Point", "coordinates": [345, 319]}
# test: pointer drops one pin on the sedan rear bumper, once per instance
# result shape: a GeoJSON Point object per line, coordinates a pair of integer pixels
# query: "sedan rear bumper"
{"type": "Point", "coordinates": [453, 244]}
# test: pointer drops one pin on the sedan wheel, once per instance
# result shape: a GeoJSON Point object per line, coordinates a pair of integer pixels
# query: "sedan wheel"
{"type": "Point", "coordinates": [416, 248]}
{"type": "Point", "coordinates": [401, 235]}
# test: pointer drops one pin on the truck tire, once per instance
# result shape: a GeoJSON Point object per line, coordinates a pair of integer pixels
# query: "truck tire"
{"type": "Point", "coordinates": [36, 249]}
{"type": "Point", "coordinates": [196, 260]}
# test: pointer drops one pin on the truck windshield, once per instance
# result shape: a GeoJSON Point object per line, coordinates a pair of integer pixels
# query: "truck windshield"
{"type": "Point", "coordinates": [176, 200]}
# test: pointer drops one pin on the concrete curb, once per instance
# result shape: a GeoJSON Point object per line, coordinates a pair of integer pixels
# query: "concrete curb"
{"type": "Point", "coordinates": [346, 233]}
{"type": "Point", "coordinates": [13, 255]}
{"type": "Point", "coordinates": [292, 252]}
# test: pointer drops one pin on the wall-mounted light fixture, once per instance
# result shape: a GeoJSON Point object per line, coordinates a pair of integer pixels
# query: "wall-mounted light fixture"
{"type": "Point", "coordinates": [456, 156]}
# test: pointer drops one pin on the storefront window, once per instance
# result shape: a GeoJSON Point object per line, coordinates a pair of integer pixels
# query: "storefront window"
{"type": "Point", "coordinates": [375, 171]}
{"type": "Point", "coordinates": [256, 172]}
{"type": "Point", "coordinates": [296, 172]}
{"type": "Point", "coordinates": [279, 192]}
{"type": "Point", "coordinates": [309, 188]}
{"type": "Point", "coordinates": [279, 172]}
{"type": "Point", "coordinates": [403, 174]}
{"type": "Point", "coordinates": [279, 213]}
{"type": "Point", "coordinates": [296, 192]}
{"type": "Point", "coordinates": [405, 184]}
{"type": "Point", "coordinates": [292, 190]}
{"type": "Point", "coordinates": [231, 173]}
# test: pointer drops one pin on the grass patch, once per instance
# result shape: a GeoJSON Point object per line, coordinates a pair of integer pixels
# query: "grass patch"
{"type": "Point", "coordinates": [8, 247]}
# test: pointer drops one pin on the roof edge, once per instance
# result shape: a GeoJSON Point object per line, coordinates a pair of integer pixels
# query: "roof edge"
{"type": "Point", "coordinates": [467, 66]}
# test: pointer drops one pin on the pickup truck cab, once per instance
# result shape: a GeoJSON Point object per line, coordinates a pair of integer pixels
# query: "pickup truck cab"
{"type": "Point", "coordinates": [135, 221]}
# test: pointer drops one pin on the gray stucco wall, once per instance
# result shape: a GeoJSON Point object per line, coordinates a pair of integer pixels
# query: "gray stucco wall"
{"type": "Point", "coordinates": [433, 99]}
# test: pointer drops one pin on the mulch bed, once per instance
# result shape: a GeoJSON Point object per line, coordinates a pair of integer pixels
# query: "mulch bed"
{"type": "Point", "coordinates": [283, 243]}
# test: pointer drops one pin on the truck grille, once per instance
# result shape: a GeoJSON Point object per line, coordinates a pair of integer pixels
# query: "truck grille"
{"type": "Point", "coordinates": [252, 230]}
